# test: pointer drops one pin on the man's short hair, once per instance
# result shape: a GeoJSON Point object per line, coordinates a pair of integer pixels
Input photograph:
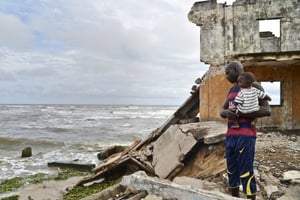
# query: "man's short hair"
{"type": "Point", "coordinates": [235, 65]}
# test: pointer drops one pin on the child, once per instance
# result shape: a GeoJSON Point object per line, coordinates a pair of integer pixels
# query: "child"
{"type": "Point", "coordinates": [247, 100]}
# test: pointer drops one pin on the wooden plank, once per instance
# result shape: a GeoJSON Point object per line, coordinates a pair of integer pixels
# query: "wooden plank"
{"type": "Point", "coordinates": [73, 165]}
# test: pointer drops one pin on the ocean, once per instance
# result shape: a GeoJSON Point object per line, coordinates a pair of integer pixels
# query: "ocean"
{"type": "Point", "coordinates": [69, 132]}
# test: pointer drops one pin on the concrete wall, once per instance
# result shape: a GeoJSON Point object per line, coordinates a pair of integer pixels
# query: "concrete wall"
{"type": "Point", "coordinates": [232, 30]}
{"type": "Point", "coordinates": [232, 33]}
{"type": "Point", "coordinates": [213, 93]}
{"type": "Point", "coordinates": [286, 115]}
{"type": "Point", "coordinates": [214, 88]}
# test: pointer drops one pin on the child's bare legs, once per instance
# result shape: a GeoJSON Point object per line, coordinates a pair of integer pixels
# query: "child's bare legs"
{"type": "Point", "coordinates": [235, 117]}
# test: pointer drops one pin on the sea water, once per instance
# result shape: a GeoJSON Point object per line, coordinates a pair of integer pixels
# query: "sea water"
{"type": "Point", "coordinates": [69, 133]}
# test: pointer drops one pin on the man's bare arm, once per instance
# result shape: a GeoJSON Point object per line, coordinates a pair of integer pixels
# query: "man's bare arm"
{"type": "Point", "coordinates": [225, 112]}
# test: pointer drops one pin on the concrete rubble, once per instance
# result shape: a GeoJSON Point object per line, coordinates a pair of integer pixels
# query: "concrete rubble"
{"type": "Point", "coordinates": [190, 155]}
{"type": "Point", "coordinates": [171, 149]}
{"type": "Point", "coordinates": [189, 159]}
{"type": "Point", "coordinates": [292, 176]}
{"type": "Point", "coordinates": [168, 189]}
{"type": "Point", "coordinates": [193, 149]}
{"type": "Point", "coordinates": [176, 149]}
{"type": "Point", "coordinates": [154, 188]}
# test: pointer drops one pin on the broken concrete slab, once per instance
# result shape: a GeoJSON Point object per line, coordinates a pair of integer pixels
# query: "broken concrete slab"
{"type": "Point", "coordinates": [271, 183]}
{"type": "Point", "coordinates": [292, 176]}
{"type": "Point", "coordinates": [195, 149]}
{"type": "Point", "coordinates": [292, 192]}
{"type": "Point", "coordinates": [167, 189]}
{"type": "Point", "coordinates": [210, 132]}
{"type": "Point", "coordinates": [170, 150]}
{"type": "Point", "coordinates": [195, 183]}
{"type": "Point", "coordinates": [188, 182]}
{"type": "Point", "coordinates": [215, 131]}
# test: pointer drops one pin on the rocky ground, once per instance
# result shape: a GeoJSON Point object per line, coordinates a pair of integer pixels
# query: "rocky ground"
{"type": "Point", "coordinates": [276, 154]}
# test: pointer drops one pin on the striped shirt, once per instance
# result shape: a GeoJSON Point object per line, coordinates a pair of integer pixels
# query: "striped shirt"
{"type": "Point", "coordinates": [245, 123]}
{"type": "Point", "coordinates": [247, 99]}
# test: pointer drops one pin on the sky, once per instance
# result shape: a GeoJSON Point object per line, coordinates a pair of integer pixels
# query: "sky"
{"type": "Point", "coordinates": [98, 52]}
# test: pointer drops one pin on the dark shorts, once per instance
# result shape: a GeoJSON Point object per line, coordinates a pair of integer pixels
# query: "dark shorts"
{"type": "Point", "coordinates": [240, 152]}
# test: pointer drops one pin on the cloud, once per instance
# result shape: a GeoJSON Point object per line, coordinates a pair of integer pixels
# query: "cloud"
{"type": "Point", "coordinates": [73, 51]}
{"type": "Point", "coordinates": [14, 34]}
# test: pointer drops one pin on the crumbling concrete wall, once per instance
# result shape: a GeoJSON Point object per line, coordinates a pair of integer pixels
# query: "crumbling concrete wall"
{"type": "Point", "coordinates": [232, 30]}
{"type": "Point", "coordinates": [213, 90]}
{"type": "Point", "coordinates": [210, 16]}
{"type": "Point", "coordinates": [286, 115]}
{"type": "Point", "coordinates": [232, 33]}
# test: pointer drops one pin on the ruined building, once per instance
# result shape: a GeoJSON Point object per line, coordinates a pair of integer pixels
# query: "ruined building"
{"type": "Point", "coordinates": [232, 32]}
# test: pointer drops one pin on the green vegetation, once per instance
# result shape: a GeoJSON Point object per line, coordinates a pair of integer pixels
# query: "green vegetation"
{"type": "Point", "coordinates": [80, 192]}
{"type": "Point", "coordinates": [11, 184]}
{"type": "Point", "coordinates": [37, 178]}
{"type": "Point", "coordinates": [77, 192]}
{"type": "Point", "coordinates": [14, 197]}
{"type": "Point", "coordinates": [17, 182]}
{"type": "Point", "coordinates": [68, 173]}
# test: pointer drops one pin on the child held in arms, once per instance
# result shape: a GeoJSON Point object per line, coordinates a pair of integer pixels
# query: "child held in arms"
{"type": "Point", "coordinates": [247, 99]}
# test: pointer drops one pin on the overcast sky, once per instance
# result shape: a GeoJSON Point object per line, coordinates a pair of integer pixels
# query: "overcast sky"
{"type": "Point", "coordinates": [98, 51]}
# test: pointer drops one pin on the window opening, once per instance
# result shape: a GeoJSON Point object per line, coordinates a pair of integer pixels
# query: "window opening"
{"type": "Point", "coordinates": [271, 26]}
{"type": "Point", "coordinates": [273, 89]}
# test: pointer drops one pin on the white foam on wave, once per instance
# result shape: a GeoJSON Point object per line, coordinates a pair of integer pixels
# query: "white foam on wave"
{"type": "Point", "coordinates": [12, 167]}
{"type": "Point", "coordinates": [38, 163]}
{"type": "Point", "coordinates": [126, 125]}
{"type": "Point", "coordinates": [87, 118]}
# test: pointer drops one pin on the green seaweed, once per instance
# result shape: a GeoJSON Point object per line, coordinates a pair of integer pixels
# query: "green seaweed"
{"type": "Point", "coordinates": [37, 178]}
{"type": "Point", "coordinates": [68, 173]}
{"type": "Point", "coordinates": [14, 197]}
{"type": "Point", "coordinates": [17, 182]}
{"type": "Point", "coordinates": [77, 192]}
{"type": "Point", "coordinates": [80, 192]}
{"type": "Point", "coordinates": [11, 184]}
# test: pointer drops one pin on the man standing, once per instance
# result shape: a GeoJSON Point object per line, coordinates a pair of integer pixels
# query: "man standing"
{"type": "Point", "coordinates": [240, 142]}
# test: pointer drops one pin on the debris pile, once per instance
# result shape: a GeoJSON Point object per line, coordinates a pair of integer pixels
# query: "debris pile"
{"type": "Point", "coordinates": [187, 155]}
